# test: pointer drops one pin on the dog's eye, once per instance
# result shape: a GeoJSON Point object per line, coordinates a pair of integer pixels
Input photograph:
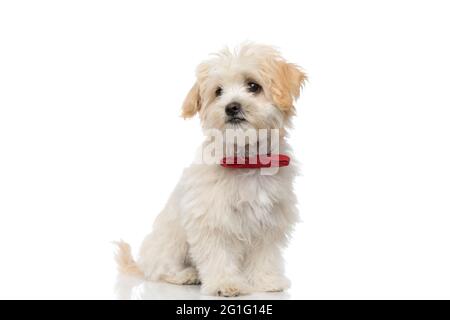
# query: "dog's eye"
{"type": "Point", "coordinates": [218, 92]}
{"type": "Point", "coordinates": [253, 87]}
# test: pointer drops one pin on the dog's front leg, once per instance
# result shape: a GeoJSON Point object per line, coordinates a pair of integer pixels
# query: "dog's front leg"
{"type": "Point", "coordinates": [264, 266]}
{"type": "Point", "coordinates": [218, 258]}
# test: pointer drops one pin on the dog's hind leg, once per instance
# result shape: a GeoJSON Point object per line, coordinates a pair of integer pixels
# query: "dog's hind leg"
{"type": "Point", "coordinates": [164, 253]}
{"type": "Point", "coordinates": [164, 257]}
{"type": "Point", "coordinates": [186, 276]}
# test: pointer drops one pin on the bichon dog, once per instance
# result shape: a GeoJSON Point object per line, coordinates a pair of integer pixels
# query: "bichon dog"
{"type": "Point", "coordinates": [225, 224]}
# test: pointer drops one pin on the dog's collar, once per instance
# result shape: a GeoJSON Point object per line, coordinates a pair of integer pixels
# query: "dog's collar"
{"type": "Point", "coordinates": [256, 162]}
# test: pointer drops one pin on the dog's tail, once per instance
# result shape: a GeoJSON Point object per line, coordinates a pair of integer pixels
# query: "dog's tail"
{"type": "Point", "coordinates": [124, 259]}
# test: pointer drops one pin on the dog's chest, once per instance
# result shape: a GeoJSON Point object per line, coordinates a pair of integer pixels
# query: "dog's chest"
{"type": "Point", "coordinates": [252, 190]}
{"type": "Point", "coordinates": [241, 201]}
{"type": "Point", "coordinates": [251, 203]}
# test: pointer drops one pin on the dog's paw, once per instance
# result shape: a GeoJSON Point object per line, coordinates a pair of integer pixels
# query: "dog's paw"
{"type": "Point", "coordinates": [188, 276]}
{"type": "Point", "coordinates": [228, 291]}
{"type": "Point", "coordinates": [271, 284]}
{"type": "Point", "coordinates": [230, 288]}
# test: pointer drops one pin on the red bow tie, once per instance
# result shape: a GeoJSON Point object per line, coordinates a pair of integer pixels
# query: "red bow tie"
{"type": "Point", "coordinates": [256, 162]}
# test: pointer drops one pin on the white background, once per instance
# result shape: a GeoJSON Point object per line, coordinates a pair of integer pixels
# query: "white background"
{"type": "Point", "coordinates": [90, 91]}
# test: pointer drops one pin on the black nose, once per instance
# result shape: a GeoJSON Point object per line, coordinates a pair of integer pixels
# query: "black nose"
{"type": "Point", "coordinates": [233, 109]}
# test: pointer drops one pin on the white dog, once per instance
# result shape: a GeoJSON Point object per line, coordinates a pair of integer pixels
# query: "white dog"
{"type": "Point", "coordinates": [225, 227]}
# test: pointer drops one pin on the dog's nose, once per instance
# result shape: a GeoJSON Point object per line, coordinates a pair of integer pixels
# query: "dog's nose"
{"type": "Point", "coordinates": [232, 109]}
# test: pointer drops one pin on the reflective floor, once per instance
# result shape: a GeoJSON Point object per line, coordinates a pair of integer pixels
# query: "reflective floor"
{"type": "Point", "coordinates": [136, 289]}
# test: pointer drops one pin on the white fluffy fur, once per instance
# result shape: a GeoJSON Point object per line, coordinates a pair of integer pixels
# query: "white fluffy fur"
{"type": "Point", "coordinates": [225, 228]}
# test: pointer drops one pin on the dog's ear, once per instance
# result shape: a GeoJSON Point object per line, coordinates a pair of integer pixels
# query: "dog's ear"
{"type": "Point", "coordinates": [191, 104]}
{"type": "Point", "coordinates": [286, 81]}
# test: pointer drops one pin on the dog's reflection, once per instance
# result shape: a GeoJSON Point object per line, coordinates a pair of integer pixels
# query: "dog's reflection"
{"type": "Point", "coordinates": [128, 287]}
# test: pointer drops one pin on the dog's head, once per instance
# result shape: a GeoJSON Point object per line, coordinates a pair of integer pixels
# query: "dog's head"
{"type": "Point", "coordinates": [250, 88]}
